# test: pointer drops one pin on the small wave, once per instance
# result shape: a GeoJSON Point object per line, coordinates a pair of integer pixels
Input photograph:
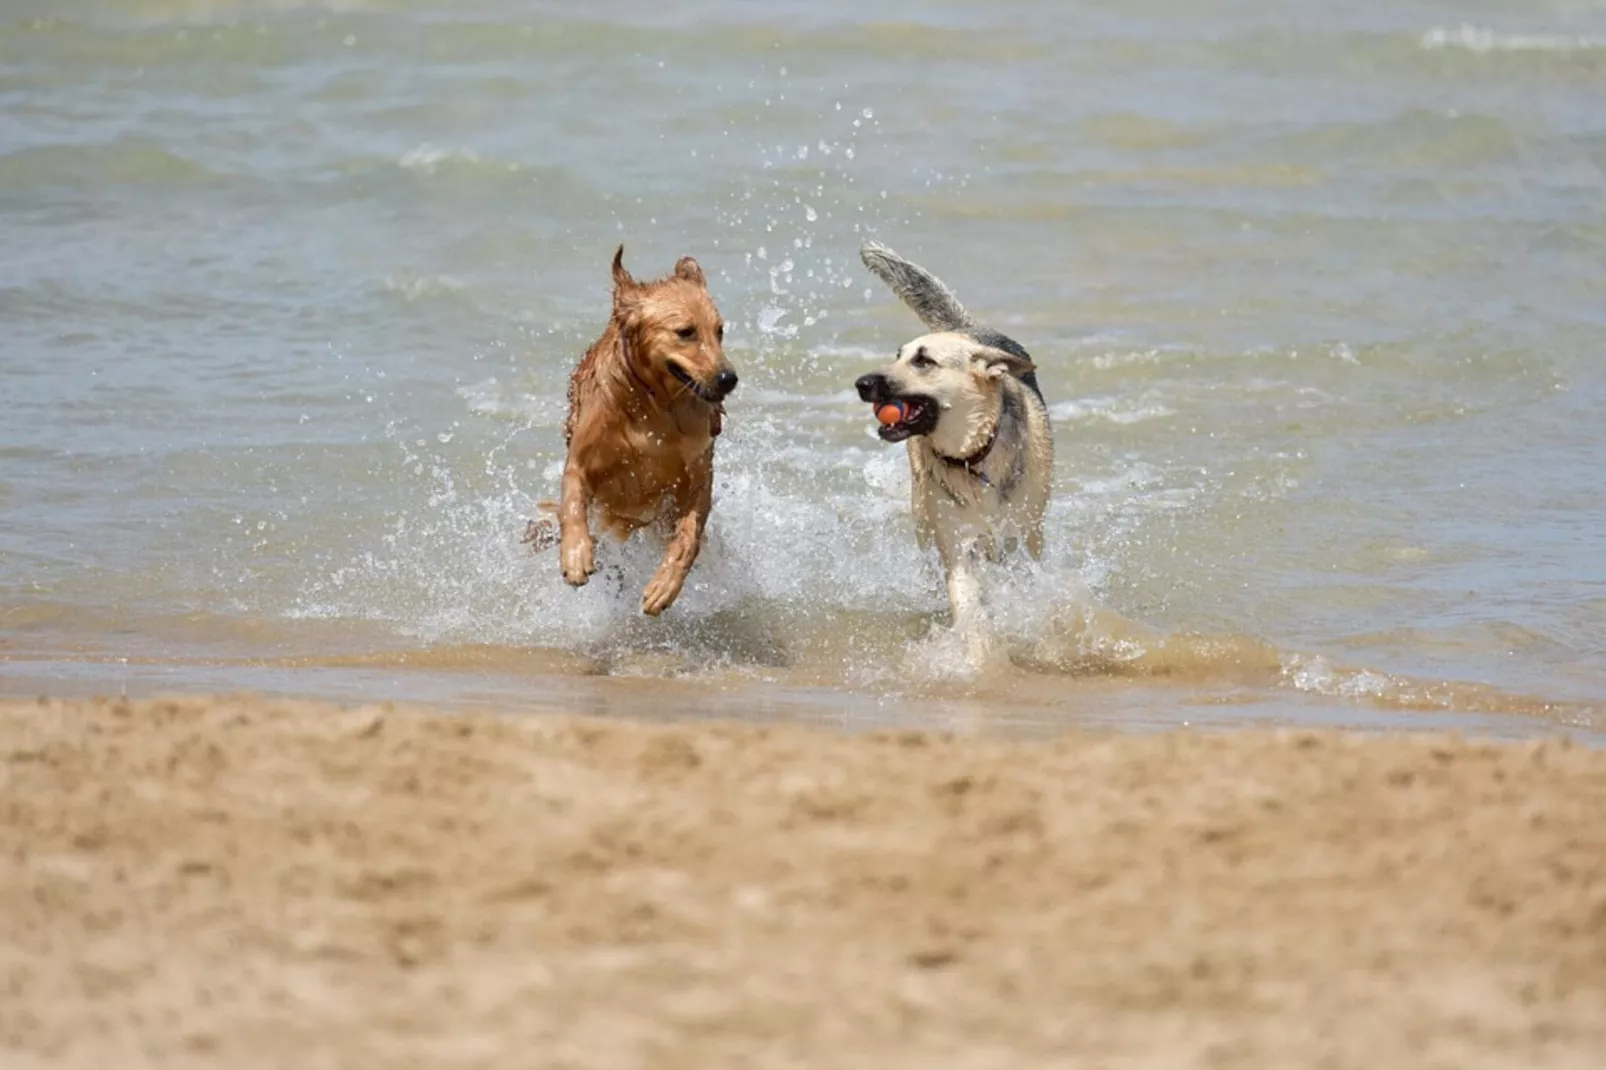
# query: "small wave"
{"type": "Point", "coordinates": [126, 161]}
{"type": "Point", "coordinates": [1318, 675]}
{"type": "Point", "coordinates": [1481, 41]}
{"type": "Point", "coordinates": [1115, 410]}
{"type": "Point", "coordinates": [851, 352]}
{"type": "Point", "coordinates": [422, 287]}
{"type": "Point", "coordinates": [427, 158]}
{"type": "Point", "coordinates": [781, 398]}
{"type": "Point", "coordinates": [449, 169]}
{"type": "Point", "coordinates": [492, 397]}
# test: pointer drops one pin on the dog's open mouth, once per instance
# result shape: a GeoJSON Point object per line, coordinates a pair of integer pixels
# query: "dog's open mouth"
{"type": "Point", "coordinates": [692, 384]}
{"type": "Point", "coordinates": [713, 392]}
{"type": "Point", "coordinates": [910, 415]}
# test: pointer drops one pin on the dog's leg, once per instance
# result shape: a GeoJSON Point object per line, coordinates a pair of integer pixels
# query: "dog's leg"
{"type": "Point", "coordinates": [964, 591]}
{"type": "Point", "coordinates": [967, 601]}
{"type": "Point", "coordinates": [684, 543]}
{"type": "Point", "coordinates": [577, 551]}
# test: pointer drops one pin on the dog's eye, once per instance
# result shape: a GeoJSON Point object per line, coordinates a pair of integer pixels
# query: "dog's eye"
{"type": "Point", "coordinates": [688, 333]}
{"type": "Point", "coordinates": [719, 332]}
{"type": "Point", "coordinates": [921, 360]}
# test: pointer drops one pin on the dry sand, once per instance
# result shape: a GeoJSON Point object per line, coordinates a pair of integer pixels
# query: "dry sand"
{"type": "Point", "coordinates": [250, 883]}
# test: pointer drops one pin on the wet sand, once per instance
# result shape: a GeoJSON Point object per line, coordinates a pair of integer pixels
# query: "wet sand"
{"type": "Point", "coordinates": [245, 882]}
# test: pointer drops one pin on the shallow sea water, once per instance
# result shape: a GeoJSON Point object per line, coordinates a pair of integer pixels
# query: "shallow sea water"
{"type": "Point", "coordinates": [291, 292]}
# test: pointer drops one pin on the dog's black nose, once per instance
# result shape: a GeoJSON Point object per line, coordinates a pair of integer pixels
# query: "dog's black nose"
{"type": "Point", "coordinates": [870, 386]}
{"type": "Point", "coordinates": [725, 382]}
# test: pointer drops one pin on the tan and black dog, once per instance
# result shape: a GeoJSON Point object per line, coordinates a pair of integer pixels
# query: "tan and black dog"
{"type": "Point", "coordinates": [981, 450]}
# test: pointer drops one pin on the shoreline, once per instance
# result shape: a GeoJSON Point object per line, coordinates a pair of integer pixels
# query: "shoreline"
{"type": "Point", "coordinates": [244, 880]}
{"type": "Point", "coordinates": [1014, 701]}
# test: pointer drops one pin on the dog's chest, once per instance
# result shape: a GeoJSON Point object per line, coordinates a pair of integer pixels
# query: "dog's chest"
{"type": "Point", "coordinates": [670, 445]}
{"type": "Point", "coordinates": [647, 464]}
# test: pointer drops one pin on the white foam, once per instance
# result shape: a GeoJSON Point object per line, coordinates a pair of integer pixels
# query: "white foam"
{"type": "Point", "coordinates": [1317, 675]}
{"type": "Point", "coordinates": [420, 287]}
{"type": "Point", "coordinates": [426, 158]}
{"type": "Point", "coordinates": [1482, 41]}
{"type": "Point", "coordinates": [1113, 409]}
{"type": "Point", "coordinates": [492, 397]}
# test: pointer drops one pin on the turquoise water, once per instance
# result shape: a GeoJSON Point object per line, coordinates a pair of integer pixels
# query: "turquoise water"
{"type": "Point", "coordinates": [291, 292]}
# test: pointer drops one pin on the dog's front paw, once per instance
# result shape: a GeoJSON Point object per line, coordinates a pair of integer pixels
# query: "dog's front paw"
{"type": "Point", "coordinates": [662, 591]}
{"type": "Point", "coordinates": [579, 559]}
{"type": "Point", "coordinates": [540, 535]}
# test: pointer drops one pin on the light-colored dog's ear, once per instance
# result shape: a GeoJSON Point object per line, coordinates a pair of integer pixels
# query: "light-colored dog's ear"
{"type": "Point", "coordinates": [996, 363]}
{"type": "Point", "coordinates": [688, 269]}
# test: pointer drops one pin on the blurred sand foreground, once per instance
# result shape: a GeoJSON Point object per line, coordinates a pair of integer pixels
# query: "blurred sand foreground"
{"type": "Point", "coordinates": [239, 882]}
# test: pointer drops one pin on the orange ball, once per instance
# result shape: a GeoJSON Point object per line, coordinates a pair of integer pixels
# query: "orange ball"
{"type": "Point", "coordinates": [891, 412]}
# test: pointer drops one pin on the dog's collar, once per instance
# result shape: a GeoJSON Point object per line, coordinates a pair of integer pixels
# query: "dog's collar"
{"type": "Point", "coordinates": [969, 464]}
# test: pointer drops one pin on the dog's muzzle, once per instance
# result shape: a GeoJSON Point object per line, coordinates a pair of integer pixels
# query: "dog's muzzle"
{"type": "Point", "coordinates": [714, 392]}
{"type": "Point", "coordinates": [872, 387]}
{"type": "Point", "coordinates": [920, 410]}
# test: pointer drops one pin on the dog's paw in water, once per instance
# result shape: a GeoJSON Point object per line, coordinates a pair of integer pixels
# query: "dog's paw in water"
{"type": "Point", "coordinates": [579, 559]}
{"type": "Point", "coordinates": [662, 591]}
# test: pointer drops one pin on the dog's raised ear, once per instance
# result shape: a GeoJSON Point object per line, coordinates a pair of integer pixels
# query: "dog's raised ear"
{"type": "Point", "coordinates": [624, 285]}
{"type": "Point", "coordinates": [995, 363]}
{"type": "Point", "coordinates": [688, 269]}
{"type": "Point", "coordinates": [622, 279]}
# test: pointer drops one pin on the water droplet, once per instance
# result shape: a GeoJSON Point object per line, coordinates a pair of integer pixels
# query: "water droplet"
{"type": "Point", "coordinates": [809, 213]}
{"type": "Point", "coordinates": [867, 113]}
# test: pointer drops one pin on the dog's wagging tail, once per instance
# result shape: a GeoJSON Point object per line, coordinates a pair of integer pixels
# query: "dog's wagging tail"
{"type": "Point", "coordinates": [923, 292]}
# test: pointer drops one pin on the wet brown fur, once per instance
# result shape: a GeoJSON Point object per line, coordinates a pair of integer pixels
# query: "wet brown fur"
{"type": "Point", "coordinates": [640, 438]}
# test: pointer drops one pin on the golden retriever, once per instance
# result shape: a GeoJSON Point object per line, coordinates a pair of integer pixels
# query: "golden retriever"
{"type": "Point", "coordinates": [645, 405]}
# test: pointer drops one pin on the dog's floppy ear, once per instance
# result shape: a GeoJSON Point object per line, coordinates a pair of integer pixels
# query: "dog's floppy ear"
{"type": "Point", "coordinates": [688, 269]}
{"type": "Point", "coordinates": [994, 362]}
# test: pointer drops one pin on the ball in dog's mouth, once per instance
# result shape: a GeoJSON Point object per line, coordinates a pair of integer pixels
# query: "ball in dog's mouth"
{"type": "Point", "coordinates": [901, 418]}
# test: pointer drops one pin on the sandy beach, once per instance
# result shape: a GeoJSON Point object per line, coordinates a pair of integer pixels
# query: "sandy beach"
{"type": "Point", "coordinates": [245, 882]}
